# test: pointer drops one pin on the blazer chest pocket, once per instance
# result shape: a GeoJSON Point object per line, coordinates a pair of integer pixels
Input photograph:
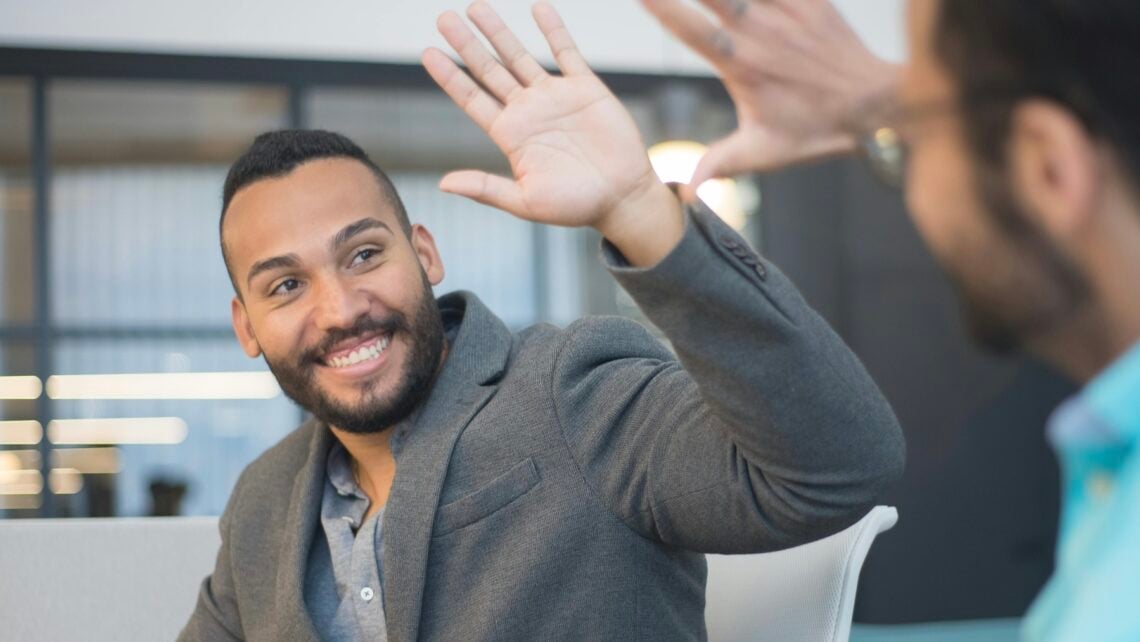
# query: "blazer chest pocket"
{"type": "Point", "coordinates": [498, 493]}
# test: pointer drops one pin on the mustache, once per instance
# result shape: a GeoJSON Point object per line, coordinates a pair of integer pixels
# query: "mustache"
{"type": "Point", "coordinates": [390, 324]}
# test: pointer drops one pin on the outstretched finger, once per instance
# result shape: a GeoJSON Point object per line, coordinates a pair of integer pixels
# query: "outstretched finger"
{"type": "Point", "coordinates": [512, 52]}
{"type": "Point", "coordinates": [728, 10]}
{"type": "Point", "coordinates": [488, 189]}
{"type": "Point", "coordinates": [754, 150]}
{"type": "Point", "coordinates": [566, 53]}
{"type": "Point", "coordinates": [472, 99]}
{"type": "Point", "coordinates": [693, 28]}
{"type": "Point", "coordinates": [482, 65]}
{"type": "Point", "coordinates": [725, 158]}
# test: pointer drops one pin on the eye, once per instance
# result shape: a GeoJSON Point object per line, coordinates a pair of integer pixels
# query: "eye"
{"type": "Point", "coordinates": [285, 287]}
{"type": "Point", "coordinates": [364, 255]}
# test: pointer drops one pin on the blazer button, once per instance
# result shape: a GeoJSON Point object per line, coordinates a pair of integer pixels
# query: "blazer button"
{"type": "Point", "coordinates": [750, 260]}
{"type": "Point", "coordinates": [761, 271]}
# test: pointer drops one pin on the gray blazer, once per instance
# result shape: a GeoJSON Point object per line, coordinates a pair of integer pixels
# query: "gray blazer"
{"type": "Point", "coordinates": [563, 484]}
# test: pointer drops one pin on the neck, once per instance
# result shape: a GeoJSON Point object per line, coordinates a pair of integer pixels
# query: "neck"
{"type": "Point", "coordinates": [371, 458]}
{"type": "Point", "coordinates": [1079, 349]}
{"type": "Point", "coordinates": [1109, 325]}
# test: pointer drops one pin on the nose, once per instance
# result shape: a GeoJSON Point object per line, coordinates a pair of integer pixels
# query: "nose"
{"type": "Point", "coordinates": [338, 305]}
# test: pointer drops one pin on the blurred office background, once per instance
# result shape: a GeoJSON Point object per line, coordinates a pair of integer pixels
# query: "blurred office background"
{"type": "Point", "coordinates": [123, 392]}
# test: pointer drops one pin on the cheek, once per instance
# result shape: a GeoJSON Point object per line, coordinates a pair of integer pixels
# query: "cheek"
{"type": "Point", "coordinates": [940, 194]}
{"type": "Point", "coordinates": [280, 334]}
{"type": "Point", "coordinates": [397, 287]}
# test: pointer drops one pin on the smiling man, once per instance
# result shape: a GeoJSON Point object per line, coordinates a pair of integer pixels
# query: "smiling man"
{"type": "Point", "coordinates": [462, 482]}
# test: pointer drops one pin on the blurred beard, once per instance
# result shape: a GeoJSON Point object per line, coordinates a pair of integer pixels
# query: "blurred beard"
{"type": "Point", "coordinates": [1046, 290]}
{"type": "Point", "coordinates": [373, 412]}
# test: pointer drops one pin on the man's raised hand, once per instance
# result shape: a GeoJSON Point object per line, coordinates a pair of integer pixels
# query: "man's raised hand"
{"type": "Point", "coordinates": [575, 153]}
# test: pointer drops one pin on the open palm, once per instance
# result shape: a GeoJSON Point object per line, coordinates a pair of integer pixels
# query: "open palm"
{"type": "Point", "coordinates": [795, 71]}
{"type": "Point", "coordinates": [574, 151]}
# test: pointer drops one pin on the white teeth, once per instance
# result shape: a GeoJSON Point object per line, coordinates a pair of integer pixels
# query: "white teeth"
{"type": "Point", "coordinates": [363, 353]}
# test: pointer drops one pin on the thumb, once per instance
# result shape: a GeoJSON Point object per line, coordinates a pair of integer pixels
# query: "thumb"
{"type": "Point", "coordinates": [729, 156]}
{"type": "Point", "coordinates": [488, 189]}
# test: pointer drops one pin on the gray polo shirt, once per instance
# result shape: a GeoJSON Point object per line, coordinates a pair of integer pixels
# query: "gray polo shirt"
{"type": "Point", "coordinates": [344, 579]}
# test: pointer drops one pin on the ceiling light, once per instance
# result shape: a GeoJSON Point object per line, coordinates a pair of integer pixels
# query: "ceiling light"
{"type": "Point", "coordinates": [134, 430]}
{"type": "Point", "coordinates": [675, 161]}
{"type": "Point", "coordinates": [183, 385]}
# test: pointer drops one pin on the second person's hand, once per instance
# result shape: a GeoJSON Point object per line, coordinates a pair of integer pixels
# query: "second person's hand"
{"type": "Point", "coordinates": [795, 71]}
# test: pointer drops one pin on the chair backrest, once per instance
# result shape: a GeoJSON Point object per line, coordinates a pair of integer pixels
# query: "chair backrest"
{"type": "Point", "coordinates": [102, 579]}
{"type": "Point", "coordinates": [802, 594]}
{"type": "Point", "coordinates": [138, 579]}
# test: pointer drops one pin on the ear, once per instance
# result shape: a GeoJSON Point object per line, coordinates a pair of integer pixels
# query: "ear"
{"type": "Point", "coordinates": [1055, 167]}
{"type": "Point", "coordinates": [427, 253]}
{"type": "Point", "coordinates": [243, 329]}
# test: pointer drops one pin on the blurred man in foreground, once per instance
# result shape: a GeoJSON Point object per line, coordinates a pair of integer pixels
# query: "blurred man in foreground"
{"type": "Point", "coordinates": [463, 482]}
{"type": "Point", "coordinates": [1015, 128]}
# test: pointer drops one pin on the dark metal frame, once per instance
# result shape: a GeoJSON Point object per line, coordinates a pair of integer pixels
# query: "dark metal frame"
{"type": "Point", "coordinates": [296, 74]}
{"type": "Point", "coordinates": [41, 181]}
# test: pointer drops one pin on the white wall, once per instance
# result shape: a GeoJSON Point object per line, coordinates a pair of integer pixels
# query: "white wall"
{"type": "Point", "coordinates": [616, 35]}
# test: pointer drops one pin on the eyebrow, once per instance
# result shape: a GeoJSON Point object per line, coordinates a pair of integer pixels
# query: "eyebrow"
{"type": "Point", "coordinates": [352, 229]}
{"type": "Point", "coordinates": [275, 263]}
{"type": "Point", "coordinates": [292, 260]}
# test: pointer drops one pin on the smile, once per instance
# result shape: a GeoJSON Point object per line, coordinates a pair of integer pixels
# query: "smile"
{"type": "Point", "coordinates": [370, 350]}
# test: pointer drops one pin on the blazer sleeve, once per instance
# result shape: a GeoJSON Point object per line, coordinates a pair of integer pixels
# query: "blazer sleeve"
{"type": "Point", "coordinates": [216, 617]}
{"type": "Point", "coordinates": [767, 433]}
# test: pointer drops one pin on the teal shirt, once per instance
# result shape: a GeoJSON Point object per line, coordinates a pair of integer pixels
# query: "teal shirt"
{"type": "Point", "coordinates": [1094, 594]}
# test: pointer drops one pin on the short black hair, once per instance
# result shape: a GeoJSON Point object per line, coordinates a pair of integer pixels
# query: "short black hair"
{"type": "Point", "coordinates": [1080, 54]}
{"type": "Point", "coordinates": [277, 153]}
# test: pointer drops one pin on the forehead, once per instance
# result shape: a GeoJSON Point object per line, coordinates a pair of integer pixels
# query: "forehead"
{"type": "Point", "coordinates": [309, 205]}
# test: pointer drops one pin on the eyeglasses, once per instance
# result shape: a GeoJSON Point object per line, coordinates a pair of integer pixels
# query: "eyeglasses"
{"type": "Point", "coordinates": [883, 126]}
{"type": "Point", "coordinates": [880, 138]}
{"type": "Point", "coordinates": [886, 154]}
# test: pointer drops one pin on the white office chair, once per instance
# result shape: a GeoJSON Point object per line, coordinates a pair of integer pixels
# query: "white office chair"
{"type": "Point", "coordinates": [102, 579]}
{"type": "Point", "coordinates": [803, 594]}
{"type": "Point", "coordinates": [137, 579]}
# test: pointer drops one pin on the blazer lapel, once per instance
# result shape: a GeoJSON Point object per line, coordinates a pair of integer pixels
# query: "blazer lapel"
{"type": "Point", "coordinates": [300, 527]}
{"type": "Point", "coordinates": [474, 364]}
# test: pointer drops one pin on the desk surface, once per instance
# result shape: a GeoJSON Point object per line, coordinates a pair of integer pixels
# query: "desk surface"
{"type": "Point", "coordinates": [968, 631]}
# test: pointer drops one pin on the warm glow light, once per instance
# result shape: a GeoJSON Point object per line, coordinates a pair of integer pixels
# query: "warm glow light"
{"type": "Point", "coordinates": [675, 162]}
{"type": "Point", "coordinates": [134, 430]}
{"type": "Point", "coordinates": [65, 481]}
{"type": "Point", "coordinates": [91, 461]}
{"type": "Point", "coordinates": [23, 458]}
{"type": "Point", "coordinates": [722, 197]}
{"type": "Point", "coordinates": [20, 388]}
{"type": "Point", "coordinates": [9, 461]}
{"type": "Point", "coordinates": [20, 433]}
{"type": "Point", "coordinates": [185, 385]}
{"type": "Point", "coordinates": [19, 502]}
{"type": "Point", "coordinates": [21, 482]}
{"type": "Point", "coordinates": [886, 137]}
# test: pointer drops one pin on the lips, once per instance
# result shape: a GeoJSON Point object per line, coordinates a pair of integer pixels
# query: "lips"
{"type": "Point", "coordinates": [357, 351]}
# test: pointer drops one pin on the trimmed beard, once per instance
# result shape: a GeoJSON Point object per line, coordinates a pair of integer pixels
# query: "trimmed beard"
{"type": "Point", "coordinates": [373, 413]}
{"type": "Point", "coordinates": [1050, 288]}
